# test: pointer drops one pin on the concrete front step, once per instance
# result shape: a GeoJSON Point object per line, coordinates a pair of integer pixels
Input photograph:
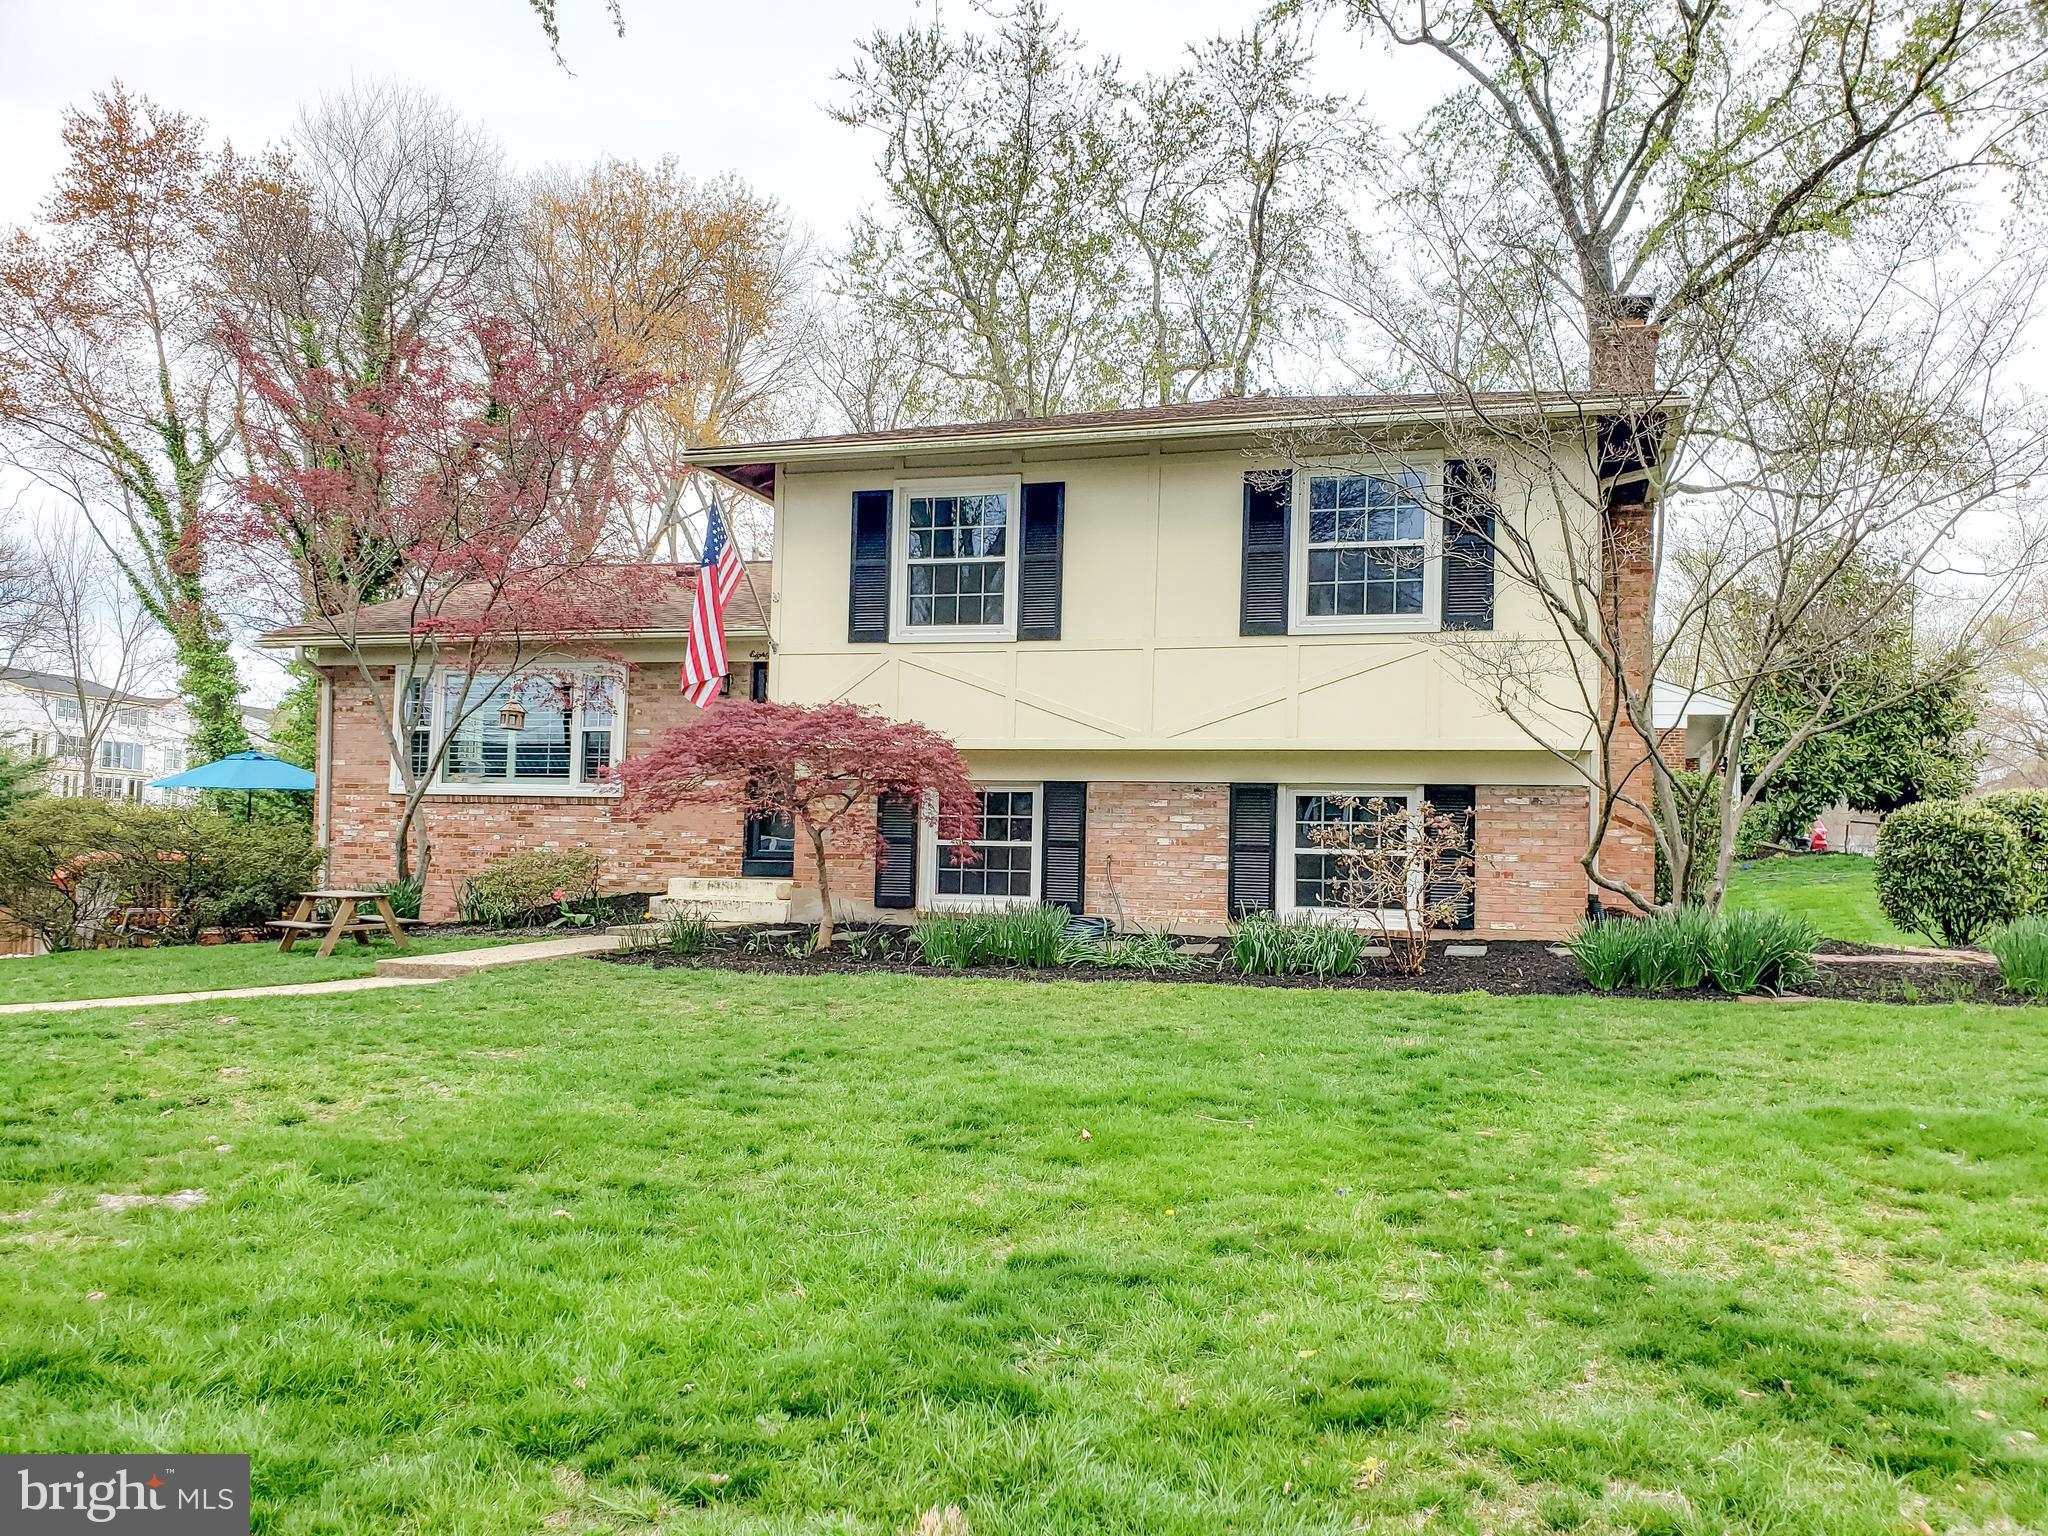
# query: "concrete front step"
{"type": "Point", "coordinates": [722, 909]}
{"type": "Point", "coordinates": [719, 889]}
{"type": "Point", "coordinates": [467, 962]}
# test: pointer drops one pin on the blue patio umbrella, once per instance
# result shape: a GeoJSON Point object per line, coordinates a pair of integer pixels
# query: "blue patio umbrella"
{"type": "Point", "coordinates": [246, 771]}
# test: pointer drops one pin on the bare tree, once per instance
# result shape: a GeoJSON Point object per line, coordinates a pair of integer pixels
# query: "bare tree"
{"type": "Point", "coordinates": [1854, 453]}
{"type": "Point", "coordinates": [386, 218]}
{"type": "Point", "coordinates": [96, 637]}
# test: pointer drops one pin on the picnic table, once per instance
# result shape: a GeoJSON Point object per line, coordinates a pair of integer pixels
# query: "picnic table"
{"type": "Point", "coordinates": [348, 918]}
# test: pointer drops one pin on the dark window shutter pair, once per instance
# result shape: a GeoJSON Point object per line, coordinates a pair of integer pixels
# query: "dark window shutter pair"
{"type": "Point", "coordinates": [1457, 801]}
{"type": "Point", "coordinates": [867, 607]}
{"type": "Point", "coordinates": [1469, 512]}
{"type": "Point", "coordinates": [1262, 607]}
{"type": "Point", "coordinates": [1041, 542]}
{"type": "Point", "coordinates": [1039, 561]}
{"type": "Point", "coordinates": [1064, 846]}
{"type": "Point", "coordinates": [896, 852]}
{"type": "Point", "coordinates": [1254, 814]}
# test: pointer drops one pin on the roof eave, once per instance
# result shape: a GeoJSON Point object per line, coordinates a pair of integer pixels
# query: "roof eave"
{"type": "Point", "coordinates": [288, 640]}
{"type": "Point", "coordinates": [746, 457]}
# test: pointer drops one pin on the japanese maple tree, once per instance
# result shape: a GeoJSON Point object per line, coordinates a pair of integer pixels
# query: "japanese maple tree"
{"type": "Point", "coordinates": [452, 516]}
{"type": "Point", "coordinates": [817, 764]}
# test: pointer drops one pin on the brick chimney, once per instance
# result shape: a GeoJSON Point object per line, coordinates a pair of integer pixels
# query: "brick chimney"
{"type": "Point", "coordinates": [1624, 363]}
{"type": "Point", "coordinates": [1623, 349]}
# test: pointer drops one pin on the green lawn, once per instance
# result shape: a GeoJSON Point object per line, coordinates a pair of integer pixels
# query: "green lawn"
{"type": "Point", "coordinates": [1836, 892]}
{"type": "Point", "coordinates": [583, 1248]}
{"type": "Point", "coordinates": [204, 967]}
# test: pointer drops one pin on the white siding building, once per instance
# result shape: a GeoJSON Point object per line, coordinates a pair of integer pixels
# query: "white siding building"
{"type": "Point", "coordinates": [143, 738]}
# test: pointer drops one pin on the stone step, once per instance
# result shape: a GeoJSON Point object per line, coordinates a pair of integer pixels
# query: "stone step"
{"type": "Point", "coordinates": [738, 888]}
{"type": "Point", "coordinates": [717, 909]}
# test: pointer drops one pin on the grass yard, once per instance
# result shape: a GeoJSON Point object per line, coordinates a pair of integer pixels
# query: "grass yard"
{"type": "Point", "coordinates": [204, 967]}
{"type": "Point", "coordinates": [585, 1248]}
{"type": "Point", "coordinates": [1836, 892]}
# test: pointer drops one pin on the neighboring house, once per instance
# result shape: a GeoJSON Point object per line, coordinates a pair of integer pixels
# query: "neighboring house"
{"type": "Point", "coordinates": [1164, 655]}
{"type": "Point", "coordinates": [1690, 725]}
{"type": "Point", "coordinates": [143, 738]}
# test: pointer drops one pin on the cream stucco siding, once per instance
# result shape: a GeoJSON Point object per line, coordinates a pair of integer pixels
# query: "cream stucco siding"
{"type": "Point", "coordinates": [1150, 660]}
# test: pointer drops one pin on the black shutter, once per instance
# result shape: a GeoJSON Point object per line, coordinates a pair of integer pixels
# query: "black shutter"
{"type": "Point", "coordinates": [1469, 510]}
{"type": "Point", "coordinates": [1263, 604]}
{"type": "Point", "coordinates": [1253, 809]}
{"type": "Point", "coordinates": [1039, 561]}
{"type": "Point", "coordinates": [757, 683]}
{"type": "Point", "coordinates": [1457, 801]}
{"type": "Point", "coordinates": [1064, 841]}
{"type": "Point", "coordinates": [867, 603]}
{"type": "Point", "coordinates": [896, 852]}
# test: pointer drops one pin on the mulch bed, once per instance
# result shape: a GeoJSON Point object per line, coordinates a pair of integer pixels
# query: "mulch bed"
{"type": "Point", "coordinates": [1511, 968]}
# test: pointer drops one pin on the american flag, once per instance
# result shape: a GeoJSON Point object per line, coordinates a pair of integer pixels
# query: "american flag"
{"type": "Point", "coordinates": [717, 574]}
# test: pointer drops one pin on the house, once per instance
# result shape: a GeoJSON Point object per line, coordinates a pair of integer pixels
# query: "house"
{"type": "Point", "coordinates": [1166, 651]}
{"type": "Point", "coordinates": [139, 737]}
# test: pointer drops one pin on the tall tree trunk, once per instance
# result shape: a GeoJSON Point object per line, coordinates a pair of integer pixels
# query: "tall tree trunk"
{"type": "Point", "coordinates": [824, 939]}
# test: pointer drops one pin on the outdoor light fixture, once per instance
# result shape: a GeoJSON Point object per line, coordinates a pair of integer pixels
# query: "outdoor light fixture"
{"type": "Point", "coordinates": [512, 716]}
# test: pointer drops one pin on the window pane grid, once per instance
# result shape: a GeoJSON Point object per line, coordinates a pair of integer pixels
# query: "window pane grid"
{"type": "Point", "coordinates": [1006, 846]}
{"type": "Point", "coordinates": [1366, 544]}
{"type": "Point", "coordinates": [958, 556]}
{"type": "Point", "coordinates": [566, 736]}
{"type": "Point", "coordinates": [1319, 867]}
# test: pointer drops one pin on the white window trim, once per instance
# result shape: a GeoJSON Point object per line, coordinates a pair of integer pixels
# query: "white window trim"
{"type": "Point", "coordinates": [928, 859]}
{"type": "Point", "coordinates": [900, 630]}
{"type": "Point", "coordinates": [518, 789]}
{"type": "Point", "coordinates": [1391, 918]}
{"type": "Point", "coordinates": [1299, 620]}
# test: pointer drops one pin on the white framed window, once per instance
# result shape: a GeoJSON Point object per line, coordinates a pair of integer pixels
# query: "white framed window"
{"type": "Point", "coordinates": [954, 562]}
{"type": "Point", "coordinates": [552, 731]}
{"type": "Point", "coordinates": [1004, 871]}
{"type": "Point", "coordinates": [1365, 549]}
{"type": "Point", "coordinates": [120, 754]}
{"type": "Point", "coordinates": [1309, 866]}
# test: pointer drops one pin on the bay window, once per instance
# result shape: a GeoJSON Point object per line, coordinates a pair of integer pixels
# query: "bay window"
{"type": "Point", "coordinates": [550, 732]}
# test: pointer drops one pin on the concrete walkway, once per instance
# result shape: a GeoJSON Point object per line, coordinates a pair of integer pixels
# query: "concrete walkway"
{"type": "Point", "coordinates": [467, 962]}
{"type": "Point", "coordinates": [168, 999]}
{"type": "Point", "coordinates": [400, 971]}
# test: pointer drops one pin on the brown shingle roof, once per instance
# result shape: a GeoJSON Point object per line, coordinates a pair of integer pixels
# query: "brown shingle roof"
{"type": "Point", "coordinates": [1249, 412]}
{"type": "Point", "coordinates": [668, 614]}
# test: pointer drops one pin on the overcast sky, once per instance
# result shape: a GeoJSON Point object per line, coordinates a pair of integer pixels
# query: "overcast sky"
{"type": "Point", "coordinates": [738, 85]}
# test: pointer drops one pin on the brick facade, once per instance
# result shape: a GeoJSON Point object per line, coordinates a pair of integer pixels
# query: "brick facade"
{"type": "Point", "coordinates": [470, 831]}
{"type": "Point", "coordinates": [1157, 853]}
{"type": "Point", "coordinates": [1161, 852]}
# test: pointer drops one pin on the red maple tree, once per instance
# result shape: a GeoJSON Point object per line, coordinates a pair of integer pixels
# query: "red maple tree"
{"type": "Point", "coordinates": [814, 763]}
{"type": "Point", "coordinates": [452, 516]}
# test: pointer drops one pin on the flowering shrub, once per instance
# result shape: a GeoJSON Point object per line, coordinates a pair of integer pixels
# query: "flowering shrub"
{"type": "Point", "coordinates": [530, 887]}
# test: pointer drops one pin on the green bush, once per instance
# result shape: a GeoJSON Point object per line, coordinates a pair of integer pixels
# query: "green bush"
{"type": "Point", "coordinates": [404, 895]}
{"type": "Point", "coordinates": [1606, 953]}
{"type": "Point", "coordinates": [1265, 945]}
{"type": "Point", "coordinates": [2027, 810]}
{"type": "Point", "coordinates": [1951, 869]}
{"type": "Point", "coordinates": [686, 932]}
{"type": "Point", "coordinates": [1759, 951]}
{"type": "Point", "coordinates": [1740, 952]}
{"type": "Point", "coordinates": [84, 872]}
{"type": "Point", "coordinates": [530, 887]}
{"type": "Point", "coordinates": [2021, 949]}
{"type": "Point", "coordinates": [1027, 936]}
{"type": "Point", "coordinates": [1142, 950]}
